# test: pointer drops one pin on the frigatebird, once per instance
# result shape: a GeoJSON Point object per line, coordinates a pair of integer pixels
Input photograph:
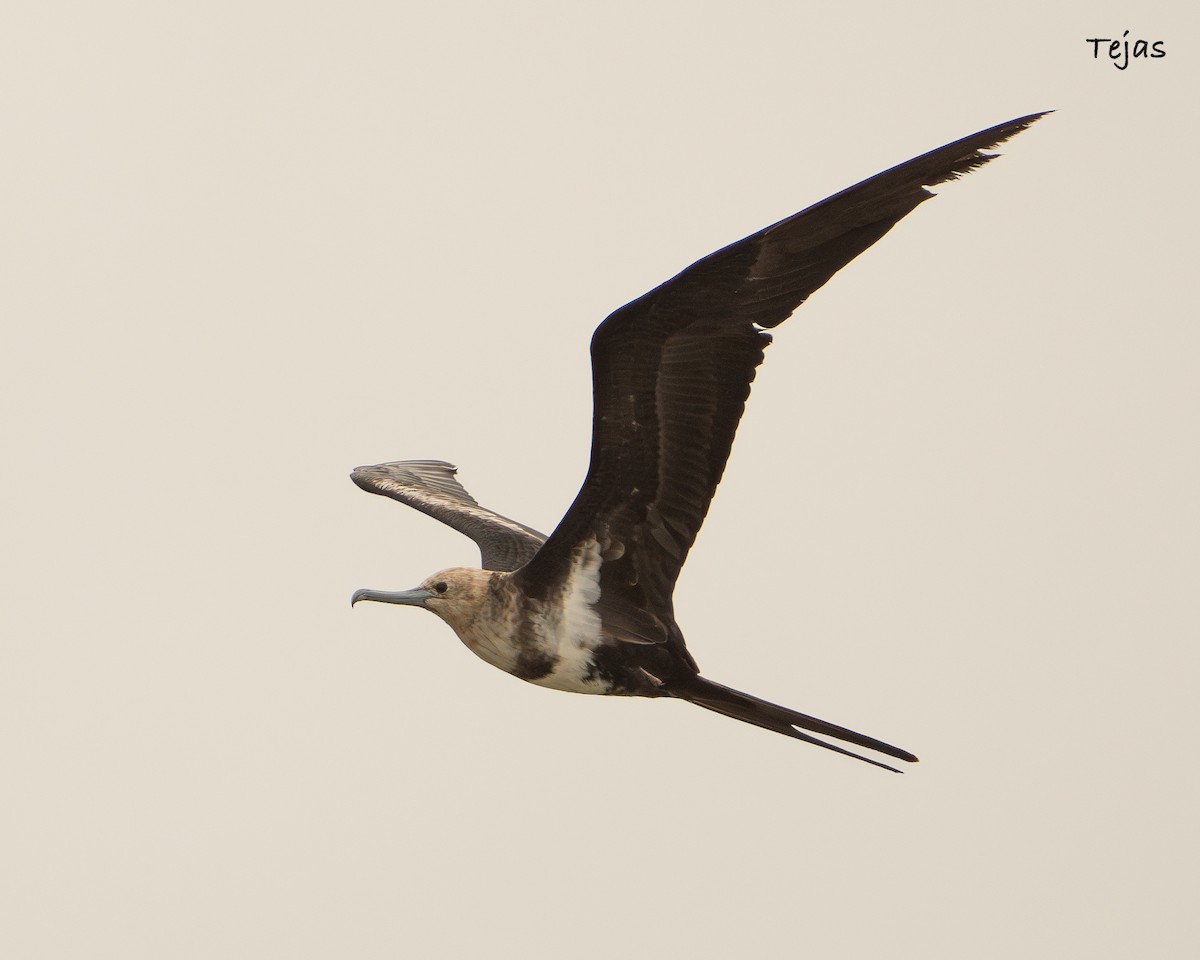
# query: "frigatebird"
{"type": "Point", "coordinates": [589, 609]}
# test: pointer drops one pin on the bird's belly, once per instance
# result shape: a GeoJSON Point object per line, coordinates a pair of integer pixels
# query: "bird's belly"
{"type": "Point", "coordinates": [574, 667]}
{"type": "Point", "coordinates": [552, 655]}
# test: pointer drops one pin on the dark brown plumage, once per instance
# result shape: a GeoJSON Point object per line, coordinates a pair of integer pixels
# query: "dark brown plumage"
{"type": "Point", "coordinates": [671, 374]}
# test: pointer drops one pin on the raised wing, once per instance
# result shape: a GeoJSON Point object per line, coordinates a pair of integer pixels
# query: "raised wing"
{"type": "Point", "coordinates": [430, 486]}
{"type": "Point", "coordinates": [672, 371]}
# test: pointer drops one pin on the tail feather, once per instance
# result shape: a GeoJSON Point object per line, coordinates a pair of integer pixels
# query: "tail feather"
{"type": "Point", "coordinates": [770, 716]}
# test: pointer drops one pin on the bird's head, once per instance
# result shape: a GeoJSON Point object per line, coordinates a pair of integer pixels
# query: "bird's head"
{"type": "Point", "coordinates": [456, 595]}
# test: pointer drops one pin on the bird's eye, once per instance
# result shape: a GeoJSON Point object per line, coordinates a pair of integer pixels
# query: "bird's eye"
{"type": "Point", "coordinates": [440, 586]}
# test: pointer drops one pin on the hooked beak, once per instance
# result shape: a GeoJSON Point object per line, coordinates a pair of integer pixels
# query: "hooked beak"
{"type": "Point", "coordinates": [413, 598]}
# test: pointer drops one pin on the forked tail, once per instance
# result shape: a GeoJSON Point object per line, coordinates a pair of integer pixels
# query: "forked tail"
{"type": "Point", "coordinates": [771, 716]}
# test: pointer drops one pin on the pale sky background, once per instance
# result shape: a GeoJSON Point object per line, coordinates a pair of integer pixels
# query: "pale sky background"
{"type": "Point", "coordinates": [248, 246]}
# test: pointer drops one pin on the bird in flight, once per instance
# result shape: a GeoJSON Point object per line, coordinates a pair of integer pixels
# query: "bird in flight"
{"type": "Point", "coordinates": [589, 609]}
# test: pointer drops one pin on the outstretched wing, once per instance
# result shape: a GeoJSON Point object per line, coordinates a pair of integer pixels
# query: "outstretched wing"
{"type": "Point", "coordinates": [430, 486]}
{"type": "Point", "coordinates": [672, 371]}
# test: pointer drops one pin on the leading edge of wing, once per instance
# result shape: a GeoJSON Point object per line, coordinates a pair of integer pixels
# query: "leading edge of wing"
{"type": "Point", "coordinates": [783, 264]}
{"type": "Point", "coordinates": [431, 487]}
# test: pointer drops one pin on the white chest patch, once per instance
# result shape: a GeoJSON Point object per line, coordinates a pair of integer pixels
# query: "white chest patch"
{"type": "Point", "coordinates": [571, 629]}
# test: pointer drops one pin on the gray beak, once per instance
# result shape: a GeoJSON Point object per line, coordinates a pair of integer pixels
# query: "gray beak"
{"type": "Point", "coordinates": [413, 598]}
